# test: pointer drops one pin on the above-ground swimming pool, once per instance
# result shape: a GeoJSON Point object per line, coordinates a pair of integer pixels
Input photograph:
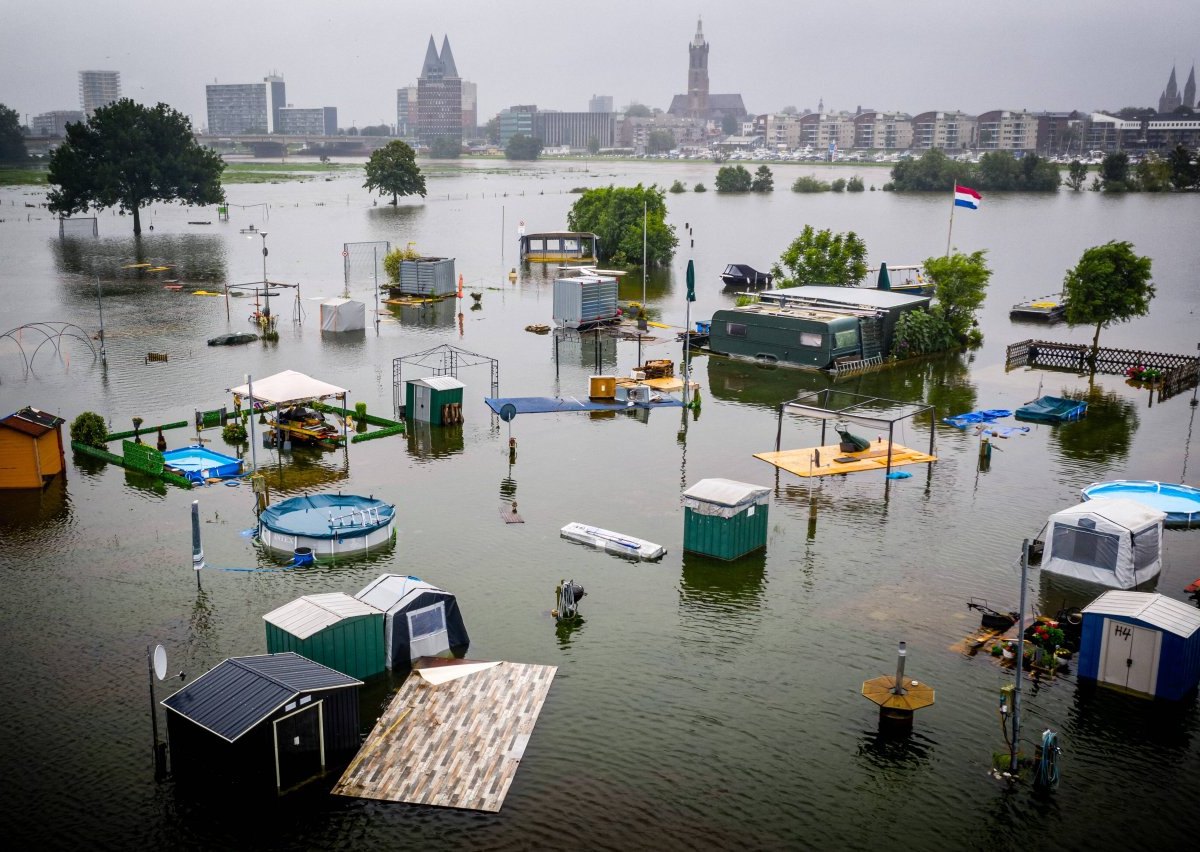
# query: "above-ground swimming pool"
{"type": "Point", "coordinates": [1180, 502]}
{"type": "Point", "coordinates": [198, 463]}
{"type": "Point", "coordinates": [328, 524]}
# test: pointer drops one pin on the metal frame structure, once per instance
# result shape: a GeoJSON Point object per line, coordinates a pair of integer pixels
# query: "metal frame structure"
{"type": "Point", "coordinates": [51, 332]}
{"type": "Point", "coordinates": [855, 413]}
{"type": "Point", "coordinates": [444, 360]}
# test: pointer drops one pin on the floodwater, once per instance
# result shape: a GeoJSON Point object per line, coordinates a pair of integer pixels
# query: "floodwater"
{"type": "Point", "coordinates": [700, 704]}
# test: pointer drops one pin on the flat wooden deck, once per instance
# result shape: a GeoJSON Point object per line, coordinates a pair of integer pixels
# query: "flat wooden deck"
{"type": "Point", "coordinates": [454, 745]}
{"type": "Point", "coordinates": [671, 385]}
{"type": "Point", "coordinates": [833, 461]}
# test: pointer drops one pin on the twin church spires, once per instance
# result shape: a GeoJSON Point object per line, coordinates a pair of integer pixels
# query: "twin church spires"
{"type": "Point", "coordinates": [1171, 98]}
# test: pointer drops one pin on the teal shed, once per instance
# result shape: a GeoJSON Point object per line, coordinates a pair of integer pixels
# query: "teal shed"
{"type": "Point", "coordinates": [725, 518]}
{"type": "Point", "coordinates": [436, 400]}
{"type": "Point", "coordinates": [335, 630]}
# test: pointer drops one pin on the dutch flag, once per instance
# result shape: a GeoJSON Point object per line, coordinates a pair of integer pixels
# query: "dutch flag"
{"type": "Point", "coordinates": [964, 196]}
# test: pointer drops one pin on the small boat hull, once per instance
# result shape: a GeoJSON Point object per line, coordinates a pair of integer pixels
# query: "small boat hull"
{"type": "Point", "coordinates": [611, 542]}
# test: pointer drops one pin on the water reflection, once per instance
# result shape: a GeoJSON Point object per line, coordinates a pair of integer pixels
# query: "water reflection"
{"type": "Point", "coordinates": [433, 442]}
{"type": "Point", "coordinates": [1111, 723]}
{"type": "Point", "coordinates": [1102, 438]}
{"type": "Point", "coordinates": [426, 315]}
{"type": "Point", "coordinates": [594, 350]}
{"type": "Point", "coordinates": [713, 587]}
{"type": "Point", "coordinates": [188, 258]}
{"type": "Point", "coordinates": [303, 468]}
{"type": "Point", "coordinates": [33, 513]}
{"type": "Point", "coordinates": [885, 749]}
{"type": "Point", "coordinates": [760, 385]}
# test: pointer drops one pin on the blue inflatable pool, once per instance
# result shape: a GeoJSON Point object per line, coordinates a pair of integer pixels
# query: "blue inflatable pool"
{"type": "Point", "coordinates": [1180, 502]}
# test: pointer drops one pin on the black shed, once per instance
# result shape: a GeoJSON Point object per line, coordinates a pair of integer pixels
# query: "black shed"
{"type": "Point", "coordinates": [267, 722]}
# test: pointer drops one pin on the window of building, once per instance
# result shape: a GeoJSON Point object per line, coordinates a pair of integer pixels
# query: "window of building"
{"type": "Point", "coordinates": [735, 329]}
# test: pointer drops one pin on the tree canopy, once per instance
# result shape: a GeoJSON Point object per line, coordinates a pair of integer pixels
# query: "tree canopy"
{"type": "Point", "coordinates": [615, 215]}
{"type": "Point", "coordinates": [1000, 170]}
{"type": "Point", "coordinates": [960, 286]}
{"type": "Point", "coordinates": [128, 155]}
{"type": "Point", "coordinates": [445, 148]}
{"type": "Point", "coordinates": [522, 147]}
{"type": "Point", "coordinates": [733, 179]}
{"type": "Point", "coordinates": [763, 181]}
{"type": "Point", "coordinates": [1185, 170]}
{"type": "Point", "coordinates": [822, 257]}
{"type": "Point", "coordinates": [1076, 175]}
{"type": "Point", "coordinates": [636, 110]}
{"type": "Point", "coordinates": [393, 170]}
{"type": "Point", "coordinates": [1114, 172]}
{"type": "Point", "coordinates": [1109, 284]}
{"type": "Point", "coordinates": [660, 141]}
{"type": "Point", "coordinates": [12, 141]}
{"type": "Point", "coordinates": [933, 172]}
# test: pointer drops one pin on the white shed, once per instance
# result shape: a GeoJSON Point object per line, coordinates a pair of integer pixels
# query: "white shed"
{"type": "Point", "coordinates": [343, 315]}
{"type": "Point", "coordinates": [1111, 542]}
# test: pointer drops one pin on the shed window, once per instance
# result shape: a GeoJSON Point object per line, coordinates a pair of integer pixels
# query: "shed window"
{"type": "Point", "coordinates": [811, 339]}
{"type": "Point", "coordinates": [735, 329]}
{"type": "Point", "coordinates": [1087, 547]}
{"type": "Point", "coordinates": [431, 619]}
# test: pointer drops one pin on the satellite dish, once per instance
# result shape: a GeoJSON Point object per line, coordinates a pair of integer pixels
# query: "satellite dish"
{"type": "Point", "coordinates": [507, 412]}
{"type": "Point", "coordinates": [160, 662]}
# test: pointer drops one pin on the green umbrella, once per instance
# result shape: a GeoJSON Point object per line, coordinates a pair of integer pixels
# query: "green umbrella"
{"type": "Point", "coordinates": [691, 282]}
{"type": "Point", "coordinates": [884, 282]}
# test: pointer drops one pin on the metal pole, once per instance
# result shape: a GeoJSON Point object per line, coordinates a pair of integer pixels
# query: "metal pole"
{"type": "Point", "coordinates": [951, 230]}
{"type": "Point", "coordinates": [778, 427]}
{"type": "Point", "coordinates": [153, 705]}
{"type": "Point", "coordinates": [901, 653]}
{"type": "Point", "coordinates": [642, 323]}
{"type": "Point", "coordinates": [100, 303]}
{"type": "Point", "coordinates": [250, 403]}
{"type": "Point", "coordinates": [226, 301]}
{"type": "Point", "coordinates": [1016, 726]}
{"type": "Point", "coordinates": [375, 269]}
{"type": "Point", "coordinates": [266, 286]}
{"type": "Point", "coordinates": [197, 547]}
{"type": "Point", "coordinates": [687, 349]}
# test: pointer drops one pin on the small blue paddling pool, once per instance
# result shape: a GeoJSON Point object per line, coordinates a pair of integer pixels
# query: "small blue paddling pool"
{"type": "Point", "coordinates": [198, 463]}
{"type": "Point", "coordinates": [1181, 503]}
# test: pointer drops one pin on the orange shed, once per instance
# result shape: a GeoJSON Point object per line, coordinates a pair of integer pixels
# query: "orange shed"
{"type": "Point", "coordinates": [31, 449]}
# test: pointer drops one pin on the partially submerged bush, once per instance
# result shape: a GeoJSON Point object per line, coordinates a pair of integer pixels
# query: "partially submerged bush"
{"type": "Point", "coordinates": [89, 428]}
{"type": "Point", "coordinates": [808, 183]}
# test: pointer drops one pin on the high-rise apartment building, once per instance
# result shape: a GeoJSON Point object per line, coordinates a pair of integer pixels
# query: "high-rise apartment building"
{"type": "Point", "coordinates": [55, 123]}
{"type": "Point", "coordinates": [246, 107]}
{"type": "Point", "coordinates": [575, 129]}
{"type": "Point", "coordinates": [308, 121]}
{"type": "Point", "coordinates": [97, 88]}
{"type": "Point", "coordinates": [406, 112]}
{"type": "Point", "coordinates": [600, 103]}
{"type": "Point", "coordinates": [439, 97]}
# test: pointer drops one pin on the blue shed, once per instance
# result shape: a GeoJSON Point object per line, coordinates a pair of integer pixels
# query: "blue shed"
{"type": "Point", "coordinates": [1143, 643]}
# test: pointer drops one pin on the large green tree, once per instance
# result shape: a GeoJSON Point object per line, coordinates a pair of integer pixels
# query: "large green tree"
{"type": "Point", "coordinates": [1076, 175]}
{"type": "Point", "coordinates": [615, 214]}
{"type": "Point", "coordinates": [128, 155]}
{"type": "Point", "coordinates": [1185, 170]}
{"type": "Point", "coordinates": [393, 170]}
{"type": "Point", "coordinates": [933, 172]}
{"type": "Point", "coordinates": [1114, 172]}
{"type": "Point", "coordinates": [12, 141]}
{"type": "Point", "coordinates": [522, 147]}
{"type": "Point", "coordinates": [1000, 170]}
{"type": "Point", "coordinates": [822, 257]}
{"type": "Point", "coordinates": [960, 286]}
{"type": "Point", "coordinates": [1109, 284]}
{"type": "Point", "coordinates": [734, 179]}
{"type": "Point", "coordinates": [445, 148]}
{"type": "Point", "coordinates": [763, 181]}
{"type": "Point", "coordinates": [660, 141]}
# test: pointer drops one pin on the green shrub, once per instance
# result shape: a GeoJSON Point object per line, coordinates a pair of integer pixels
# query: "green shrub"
{"type": "Point", "coordinates": [855, 184]}
{"type": "Point", "coordinates": [89, 428]}
{"type": "Point", "coordinates": [699, 188]}
{"type": "Point", "coordinates": [889, 187]}
{"type": "Point", "coordinates": [746, 299]}
{"type": "Point", "coordinates": [234, 432]}
{"type": "Point", "coordinates": [677, 187]}
{"type": "Point", "coordinates": [838, 185]}
{"type": "Point", "coordinates": [360, 410]}
{"type": "Point", "coordinates": [808, 183]}
{"type": "Point", "coordinates": [919, 333]}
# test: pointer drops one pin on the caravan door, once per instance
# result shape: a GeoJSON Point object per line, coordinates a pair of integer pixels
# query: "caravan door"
{"type": "Point", "coordinates": [1129, 658]}
{"type": "Point", "coordinates": [427, 631]}
{"type": "Point", "coordinates": [421, 396]}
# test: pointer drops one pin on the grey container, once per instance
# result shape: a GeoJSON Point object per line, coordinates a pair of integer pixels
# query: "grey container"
{"type": "Point", "coordinates": [428, 276]}
{"type": "Point", "coordinates": [584, 300]}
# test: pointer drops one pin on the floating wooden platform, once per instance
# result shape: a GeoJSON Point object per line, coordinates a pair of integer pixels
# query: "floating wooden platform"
{"type": "Point", "coordinates": [454, 744]}
{"type": "Point", "coordinates": [833, 461]}
{"type": "Point", "coordinates": [668, 385]}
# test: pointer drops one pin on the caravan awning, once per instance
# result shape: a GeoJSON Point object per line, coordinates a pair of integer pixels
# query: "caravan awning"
{"type": "Point", "coordinates": [288, 386]}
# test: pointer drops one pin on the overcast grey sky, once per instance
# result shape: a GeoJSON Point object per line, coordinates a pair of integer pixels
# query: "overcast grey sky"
{"type": "Point", "coordinates": [354, 54]}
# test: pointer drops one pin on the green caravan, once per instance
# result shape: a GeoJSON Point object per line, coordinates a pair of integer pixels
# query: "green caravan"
{"type": "Point", "coordinates": [812, 327]}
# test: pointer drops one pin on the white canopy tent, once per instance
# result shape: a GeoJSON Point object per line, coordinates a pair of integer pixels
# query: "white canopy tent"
{"type": "Point", "coordinates": [1109, 541]}
{"type": "Point", "coordinates": [343, 315]}
{"type": "Point", "coordinates": [287, 387]}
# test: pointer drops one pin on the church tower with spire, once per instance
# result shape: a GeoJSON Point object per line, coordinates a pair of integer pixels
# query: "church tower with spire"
{"type": "Point", "coordinates": [1189, 90]}
{"type": "Point", "coordinates": [697, 97]}
{"type": "Point", "coordinates": [439, 96]}
{"type": "Point", "coordinates": [1170, 100]}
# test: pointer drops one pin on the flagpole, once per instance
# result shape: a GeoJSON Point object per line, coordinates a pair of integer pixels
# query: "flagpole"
{"type": "Point", "coordinates": [953, 192]}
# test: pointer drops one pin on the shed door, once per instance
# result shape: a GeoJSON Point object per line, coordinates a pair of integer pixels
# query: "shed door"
{"type": "Point", "coordinates": [299, 745]}
{"type": "Point", "coordinates": [1130, 658]}
{"type": "Point", "coordinates": [421, 395]}
{"type": "Point", "coordinates": [427, 631]}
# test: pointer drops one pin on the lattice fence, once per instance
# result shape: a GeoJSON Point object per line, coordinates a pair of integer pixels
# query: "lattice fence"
{"type": "Point", "coordinates": [1180, 372]}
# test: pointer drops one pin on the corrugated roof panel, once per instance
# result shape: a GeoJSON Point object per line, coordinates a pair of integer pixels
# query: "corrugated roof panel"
{"type": "Point", "coordinates": [312, 613]}
{"type": "Point", "coordinates": [439, 382]}
{"type": "Point", "coordinates": [297, 672]}
{"type": "Point", "coordinates": [1154, 609]}
{"type": "Point", "coordinates": [229, 699]}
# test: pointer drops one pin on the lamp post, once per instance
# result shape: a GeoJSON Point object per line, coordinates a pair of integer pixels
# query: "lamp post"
{"type": "Point", "coordinates": [250, 233]}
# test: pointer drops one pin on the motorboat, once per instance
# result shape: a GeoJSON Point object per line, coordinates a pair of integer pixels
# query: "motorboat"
{"type": "Point", "coordinates": [741, 275]}
{"type": "Point", "coordinates": [1047, 309]}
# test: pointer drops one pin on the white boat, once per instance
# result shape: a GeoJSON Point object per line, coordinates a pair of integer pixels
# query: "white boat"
{"type": "Point", "coordinates": [622, 545]}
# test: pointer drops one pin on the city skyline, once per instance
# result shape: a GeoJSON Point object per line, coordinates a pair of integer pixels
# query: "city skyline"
{"type": "Point", "coordinates": [936, 54]}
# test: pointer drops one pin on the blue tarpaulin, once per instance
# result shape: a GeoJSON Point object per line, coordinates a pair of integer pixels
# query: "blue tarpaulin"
{"type": "Point", "coordinates": [987, 415]}
{"type": "Point", "coordinates": [553, 404]}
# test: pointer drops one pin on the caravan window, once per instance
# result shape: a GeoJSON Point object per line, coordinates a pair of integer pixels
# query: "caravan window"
{"type": "Point", "coordinates": [735, 329]}
{"type": "Point", "coordinates": [430, 619]}
{"type": "Point", "coordinates": [1145, 548]}
{"type": "Point", "coordinates": [811, 339]}
{"type": "Point", "coordinates": [1087, 547]}
{"type": "Point", "coordinates": [847, 339]}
